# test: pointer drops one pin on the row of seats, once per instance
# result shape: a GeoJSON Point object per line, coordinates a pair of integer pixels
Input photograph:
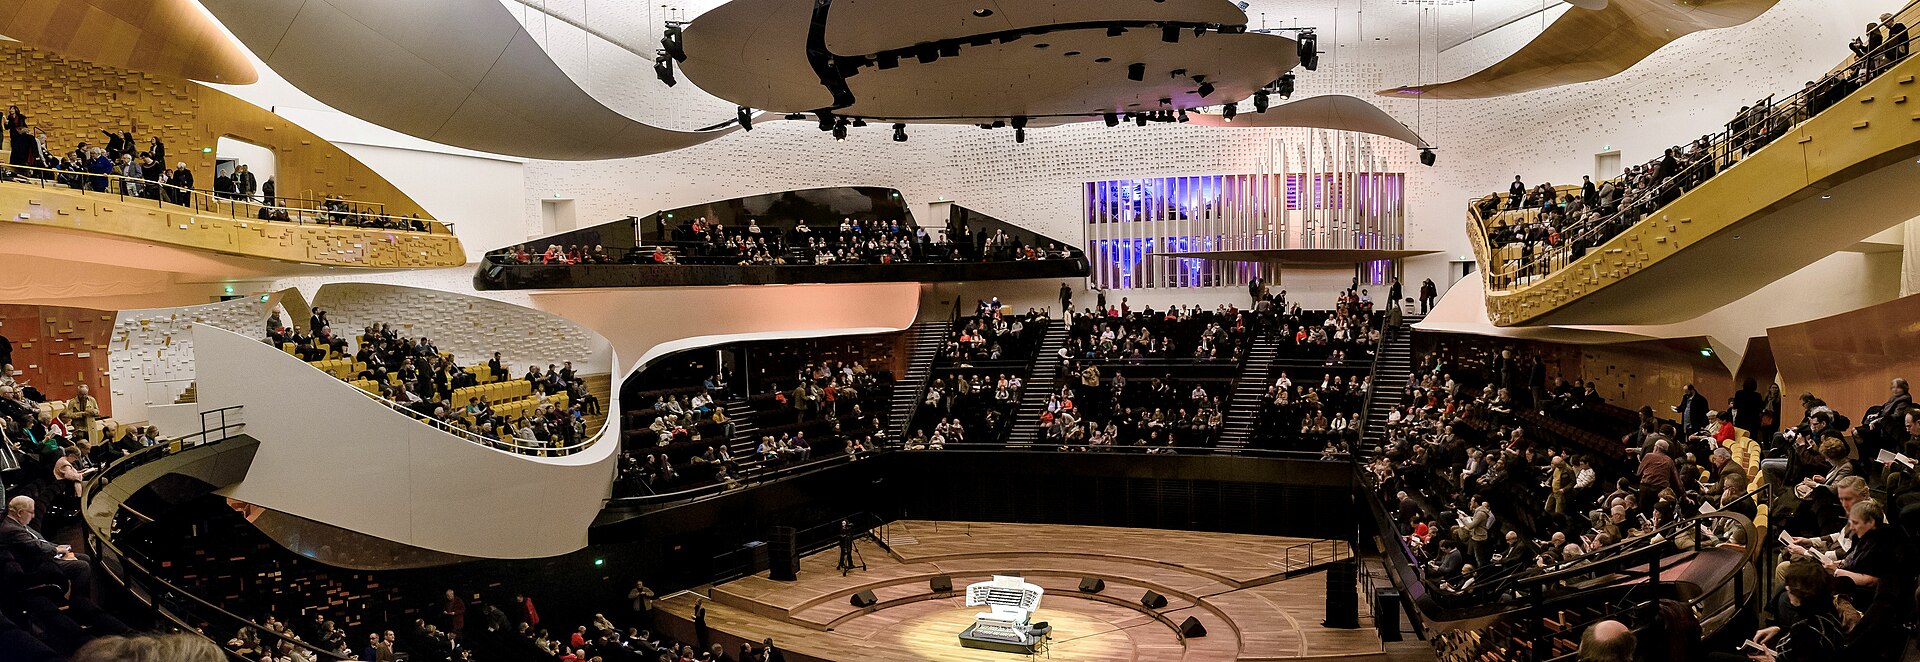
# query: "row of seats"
{"type": "Point", "coordinates": [345, 369]}
{"type": "Point", "coordinates": [494, 393]}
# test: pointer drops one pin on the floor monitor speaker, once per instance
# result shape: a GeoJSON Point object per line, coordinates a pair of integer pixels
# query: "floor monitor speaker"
{"type": "Point", "coordinates": [1191, 628]}
{"type": "Point", "coordinates": [863, 599]}
{"type": "Point", "coordinates": [940, 584]}
{"type": "Point", "coordinates": [1153, 600]}
{"type": "Point", "coordinates": [1092, 585]}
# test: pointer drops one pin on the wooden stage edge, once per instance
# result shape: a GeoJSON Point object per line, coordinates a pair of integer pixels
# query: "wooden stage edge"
{"type": "Point", "coordinates": [1259, 598]}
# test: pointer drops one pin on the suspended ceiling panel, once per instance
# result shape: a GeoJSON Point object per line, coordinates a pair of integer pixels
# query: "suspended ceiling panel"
{"type": "Point", "coordinates": [1588, 44]}
{"type": "Point", "coordinates": [1332, 111]}
{"type": "Point", "coordinates": [755, 53]}
{"type": "Point", "coordinates": [163, 37]}
{"type": "Point", "coordinates": [458, 72]}
{"type": "Point", "coordinates": [858, 27]}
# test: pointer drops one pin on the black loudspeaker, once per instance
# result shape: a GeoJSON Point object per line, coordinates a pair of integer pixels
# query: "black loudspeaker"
{"type": "Point", "coordinates": [1191, 628]}
{"type": "Point", "coordinates": [1386, 613]}
{"type": "Point", "coordinates": [1153, 600]}
{"type": "Point", "coordinates": [863, 599]}
{"type": "Point", "coordinates": [1092, 585]}
{"type": "Point", "coordinates": [941, 584]}
{"type": "Point", "coordinates": [783, 557]}
{"type": "Point", "coordinates": [1343, 599]}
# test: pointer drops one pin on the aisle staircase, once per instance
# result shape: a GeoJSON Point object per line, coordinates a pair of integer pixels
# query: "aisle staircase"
{"type": "Point", "coordinates": [1044, 380]}
{"type": "Point", "coordinates": [601, 386]}
{"type": "Point", "coordinates": [923, 342]}
{"type": "Point", "coordinates": [1392, 369]}
{"type": "Point", "coordinates": [1243, 410]}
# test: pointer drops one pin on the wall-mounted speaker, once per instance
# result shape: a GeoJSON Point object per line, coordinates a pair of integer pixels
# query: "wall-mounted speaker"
{"type": "Point", "coordinates": [863, 599]}
{"type": "Point", "coordinates": [1092, 585]}
{"type": "Point", "coordinates": [1153, 600]}
{"type": "Point", "coordinates": [1191, 628]}
{"type": "Point", "coordinates": [941, 584]}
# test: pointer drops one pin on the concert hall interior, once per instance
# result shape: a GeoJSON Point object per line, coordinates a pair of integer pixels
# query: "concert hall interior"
{"type": "Point", "coordinates": [959, 330]}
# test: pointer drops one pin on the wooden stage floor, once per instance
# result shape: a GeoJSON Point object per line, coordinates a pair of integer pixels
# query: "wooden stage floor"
{"type": "Point", "coordinates": [1259, 597]}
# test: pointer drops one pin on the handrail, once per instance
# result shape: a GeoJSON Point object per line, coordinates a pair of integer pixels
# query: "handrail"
{"type": "Point", "coordinates": [1041, 447]}
{"type": "Point", "coordinates": [211, 201]}
{"type": "Point", "coordinates": [132, 573]}
{"type": "Point", "coordinates": [1745, 134]}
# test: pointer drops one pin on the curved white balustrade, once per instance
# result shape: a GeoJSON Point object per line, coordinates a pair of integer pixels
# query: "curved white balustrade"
{"type": "Point", "coordinates": [331, 454]}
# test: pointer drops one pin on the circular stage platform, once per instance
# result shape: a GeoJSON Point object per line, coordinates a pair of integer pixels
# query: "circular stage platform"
{"type": "Point", "coordinates": [1258, 597]}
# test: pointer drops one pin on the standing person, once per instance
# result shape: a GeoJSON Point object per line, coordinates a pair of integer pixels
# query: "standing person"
{"type": "Point", "coordinates": [1066, 299]}
{"type": "Point", "coordinates": [182, 178]}
{"type": "Point", "coordinates": [455, 612]}
{"type": "Point", "coordinates": [223, 184]}
{"type": "Point", "coordinates": [1746, 407]}
{"type": "Point", "coordinates": [1589, 195]}
{"type": "Point", "coordinates": [243, 183]}
{"type": "Point", "coordinates": [1255, 289]}
{"type": "Point", "coordinates": [641, 598]}
{"type": "Point", "coordinates": [1429, 294]}
{"type": "Point", "coordinates": [266, 192]}
{"type": "Point", "coordinates": [1692, 410]}
{"type": "Point", "coordinates": [6, 354]}
{"type": "Point", "coordinates": [1516, 192]}
{"type": "Point", "coordinates": [1394, 292]}
{"type": "Point", "coordinates": [24, 149]}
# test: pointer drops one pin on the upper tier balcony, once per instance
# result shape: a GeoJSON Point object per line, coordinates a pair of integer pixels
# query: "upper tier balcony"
{"type": "Point", "coordinates": [1787, 183]}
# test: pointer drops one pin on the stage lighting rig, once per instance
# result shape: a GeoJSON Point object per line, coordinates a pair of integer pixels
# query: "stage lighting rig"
{"type": "Point", "coordinates": [900, 133]}
{"type": "Point", "coordinates": [745, 115]}
{"type": "Point", "coordinates": [663, 68]}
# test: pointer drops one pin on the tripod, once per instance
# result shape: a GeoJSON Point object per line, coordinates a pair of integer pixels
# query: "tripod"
{"type": "Point", "coordinates": [850, 556]}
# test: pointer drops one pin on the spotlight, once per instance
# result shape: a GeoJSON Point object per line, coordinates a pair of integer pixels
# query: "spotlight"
{"type": "Point", "coordinates": [840, 130]}
{"type": "Point", "coordinates": [899, 133]}
{"type": "Point", "coordinates": [1285, 87]}
{"type": "Point", "coordinates": [1019, 135]}
{"type": "Point", "coordinates": [1019, 122]}
{"type": "Point", "coordinates": [1206, 90]}
{"type": "Point", "coordinates": [826, 120]}
{"type": "Point", "coordinates": [1228, 111]}
{"type": "Point", "coordinates": [1137, 71]}
{"type": "Point", "coordinates": [1183, 114]}
{"type": "Point", "coordinates": [796, 116]}
{"type": "Point", "coordinates": [746, 118]}
{"type": "Point", "coordinates": [1199, 30]}
{"type": "Point", "coordinates": [859, 122]}
{"type": "Point", "coordinates": [663, 69]}
{"type": "Point", "coordinates": [1115, 31]}
{"type": "Point", "coordinates": [1140, 119]}
{"type": "Point", "coordinates": [927, 53]}
{"type": "Point", "coordinates": [1309, 51]}
{"type": "Point", "coordinates": [889, 60]}
{"type": "Point", "coordinates": [670, 42]}
{"type": "Point", "coordinates": [1427, 157]}
{"type": "Point", "coordinates": [1260, 100]}
{"type": "Point", "coordinates": [1170, 33]}
{"type": "Point", "coordinates": [950, 49]}
{"type": "Point", "coordinates": [1110, 118]}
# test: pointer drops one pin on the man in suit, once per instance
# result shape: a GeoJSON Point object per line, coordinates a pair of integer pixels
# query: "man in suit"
{"type": "Point", "coordinates": [1516, 192]}
{"type": "Point", "coordinates": [35, 552]}
{"type": "Point", "coordinates": [1692, 410]}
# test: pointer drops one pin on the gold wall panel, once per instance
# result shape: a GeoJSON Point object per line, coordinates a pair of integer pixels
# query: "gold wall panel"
{"type": "Point", "coordinates": [162, 37]}
{"type": "Point", "coordinates": [73, 100]}
{"type": "Point", "coordinates": [56, 348]}
{"type": "Point", "coordinates": [1848, 359]}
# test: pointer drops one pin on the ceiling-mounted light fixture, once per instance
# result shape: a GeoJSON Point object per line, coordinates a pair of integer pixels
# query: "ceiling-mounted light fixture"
{"type": "Point", "coordinates": [1110, 118]}
{"type": "Point", "coordinates": [1137, 71]}
{"type": "Point", "coordinates": [663, 69]}
{"type": "Point", "coordinates": [900, 133]}
{"type": "Point", "coordinates": [1228, 111]}
{"type": "Point", "coordinates": [1170, 33]}
{"type": "Point", "coordinates": [745, 115]}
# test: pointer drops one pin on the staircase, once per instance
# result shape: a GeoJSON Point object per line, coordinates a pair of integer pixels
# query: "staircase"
{"type": "Point", "coordinates": [601, 386]}
{"type": "Point", "coordinates": [746, 435]}
{"type": "Point", "coordinates": [189, 396]}
{"type": "Point", "coordinates": [1044, 381]}
{"type": "Point", "coordinates": [923, 343]}
{"type": "Point", "coordinates": [1243, 410]}
{"type": "Point", "coordinates": [1392, 369]}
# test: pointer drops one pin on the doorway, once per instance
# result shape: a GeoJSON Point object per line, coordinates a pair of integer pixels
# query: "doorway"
{"type": "Point", "coordinates": [556, 215]}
